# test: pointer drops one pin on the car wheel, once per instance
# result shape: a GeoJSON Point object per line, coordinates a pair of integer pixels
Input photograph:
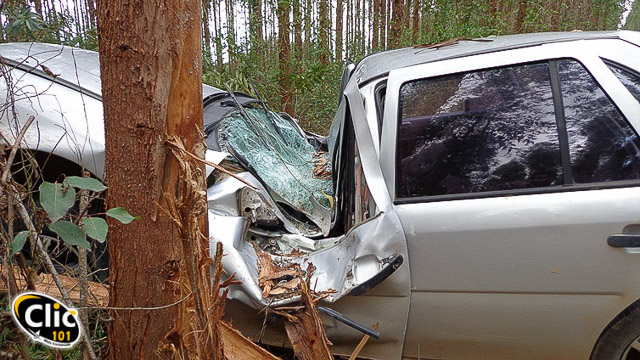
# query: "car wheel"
{"type": "Point", "coordinates": [621, 339]}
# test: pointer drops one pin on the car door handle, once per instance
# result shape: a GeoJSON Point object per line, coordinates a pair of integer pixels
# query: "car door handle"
{"type": "Point", "coordinates": [624, 240]}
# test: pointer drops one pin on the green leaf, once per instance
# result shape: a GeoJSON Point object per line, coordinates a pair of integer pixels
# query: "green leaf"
{"type": "Point", "coordinates": [85, 183]}
{"type": "Point", "coordinates": [120, 214]}
{"type": "Point", "coordinates": [56, 200]}
{"type": "Point", "coordinates": [96, 228]}
{"type": "Point", "coordinates": [70, 233]}
{"type": "Point", "coordinates": [18, 242]}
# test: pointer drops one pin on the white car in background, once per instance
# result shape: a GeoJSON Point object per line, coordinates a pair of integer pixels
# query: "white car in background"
{"type": "Point", "coordinates": [479, 199]}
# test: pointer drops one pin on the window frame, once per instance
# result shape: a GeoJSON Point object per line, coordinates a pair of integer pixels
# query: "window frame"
{"type": "Point", "coordinates": [575, 51]}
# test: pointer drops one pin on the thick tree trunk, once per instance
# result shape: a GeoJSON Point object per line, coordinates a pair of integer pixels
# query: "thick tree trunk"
{"type": "Point", "coordinates": [284, 55]}
{"type": "Point", "coordinates": [150, 58]}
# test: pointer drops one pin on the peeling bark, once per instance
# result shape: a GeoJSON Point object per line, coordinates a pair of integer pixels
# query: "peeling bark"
{"type": "Point", "coordinates": [150, 59]}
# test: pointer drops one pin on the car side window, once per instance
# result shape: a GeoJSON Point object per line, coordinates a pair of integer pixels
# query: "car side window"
{"type": "Point", "coordinates": [480, 131]}
{"type": "Point", "coordinates": [602, 145]}
{"type": "Point", "coordinates": [628, 78]}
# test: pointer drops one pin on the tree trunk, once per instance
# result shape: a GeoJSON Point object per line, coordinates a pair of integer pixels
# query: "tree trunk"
{"type": "Point", "coordinates": [297, 29]}
{"type": "Point", "coordinates": [307, 24]}
{"type": "Point", "coordinates": [323, 9]}
{"type": "Point", "coordinates": [376, 25]}
{"type": "Point", "coordinates": [206, 48]}
{"type": "Point", "coordinates": [284, 55]}
{"type": "Point", "coordinates": [522, 13]}
{"type": "Point", "coordinates": [416, 20]}
{"type": "Point", "coordinates": [217, 31]}
{"type": "Point", "coordinates": [255, 20]}
{"type": "Point", "coordinates": [150, 62]}
{"type": "Point", "coordinates": [231, 31]}
{"type": "Point", "coordinates": [396, 24]}
{"type": "Point", "coordinates": [339, 31]}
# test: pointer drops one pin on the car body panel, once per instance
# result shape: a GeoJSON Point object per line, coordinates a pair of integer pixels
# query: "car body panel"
{"type": "Point", "coordinates": [505, 276]}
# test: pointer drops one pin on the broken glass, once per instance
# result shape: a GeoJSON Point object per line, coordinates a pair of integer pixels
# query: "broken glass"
{"type": "Point", "coordinates": [296, 176]}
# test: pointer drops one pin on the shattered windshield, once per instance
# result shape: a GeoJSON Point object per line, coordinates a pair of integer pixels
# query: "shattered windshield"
{"type": "Point", "coordinates": [296, 175]}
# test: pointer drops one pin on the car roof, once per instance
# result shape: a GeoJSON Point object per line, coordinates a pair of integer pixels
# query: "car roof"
{"type": "Point", "coordinates": [379, 64]}
{"type": "Point", "coordinates": [73, 67]}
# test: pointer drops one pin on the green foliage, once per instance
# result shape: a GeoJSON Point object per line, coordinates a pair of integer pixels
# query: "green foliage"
{"type": "Point", "coordinates": [70, 233]}
{"type": "Point", "coordinates": [24, 23]}
{"type": "Point", "coordinates": [85, 183]}
{"type": "Point", "coordinates": [120, 214]}
{"type": "Point", "coordinates": [96, 227]}
{"type": "Point", "coordinates": [56, 199]}
{"type": "Point", "coordinates": [18, 242]}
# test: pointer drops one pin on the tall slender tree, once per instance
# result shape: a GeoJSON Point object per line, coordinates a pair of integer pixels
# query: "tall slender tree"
{"type": "Point", "coordinates": [297, 30]}
{"type": "Point", "coordinates": [323, 31]}
{"type": "Point", "coordinates": [206, 45]}
{"type": "Point", "coordinates": [376, 25]}
{"type": "Point", "coordinates": [284, 56]}
{"type": "Point", "coordinates": [520, 17]}
{"type": "Point", "coordinates": [396, 23]}
{"type": "Point", "coordinates": [339, 30]}
{"type": "Point", "coordinates": [415, 20]}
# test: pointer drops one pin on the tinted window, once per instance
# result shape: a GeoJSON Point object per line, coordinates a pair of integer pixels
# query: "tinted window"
{"type": "Point", "coordinates": [602, 145]}
{"type": "Point", "coordinates": [628, 79]}
{"type": "Point", "coordinates": [478, 131]}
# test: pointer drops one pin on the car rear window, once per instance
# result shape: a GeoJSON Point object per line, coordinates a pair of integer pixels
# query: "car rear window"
{"type": "Point", "coordinates": [602, 145]}
{"type": "Point", "coordinates": [487, 130]}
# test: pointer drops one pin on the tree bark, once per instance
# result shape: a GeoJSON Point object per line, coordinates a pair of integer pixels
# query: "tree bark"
{"type": "Point", "coordinates": [255, 20]}
{"type": "Point", "coordinates": [206, 48]}
{"type": "Point", "coordinates": [297, 29]}
{"type": "Point", "coordinates": [376, 25]}
{"type": "Point", "coordinates": [284, 55]}
{"type": "Point", "coordinates": [231, 31]}
{"type": "Point", "coordinates": [323, 9]}
{"type": "Point", "coordinates": [396, 23]}
{"type": "Point", "coordinates": [150, 62]}
{"type": "Point", "coordinates": [416, 20]}
{"type": "Point", "coordinates": [339, 29]}
{"type": "Point", "coordinates": [522, 13]}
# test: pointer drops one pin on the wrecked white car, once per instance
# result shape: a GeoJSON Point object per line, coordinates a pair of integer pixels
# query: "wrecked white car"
{"type": "Point", "coordinates": [478, 200]}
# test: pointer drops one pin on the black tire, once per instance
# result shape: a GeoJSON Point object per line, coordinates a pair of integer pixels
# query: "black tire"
{"type": "Point", "coordinates": [621, 339]}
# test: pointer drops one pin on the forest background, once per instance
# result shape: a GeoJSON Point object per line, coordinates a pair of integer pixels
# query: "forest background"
{"type": "Point", "coordinates": [294, 50]}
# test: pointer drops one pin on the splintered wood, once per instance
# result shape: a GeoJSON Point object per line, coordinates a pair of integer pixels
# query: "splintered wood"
{"type": "Point", "coordinates": [303, 324]}
{"type": "Point", "coordinates": [321, 169]}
